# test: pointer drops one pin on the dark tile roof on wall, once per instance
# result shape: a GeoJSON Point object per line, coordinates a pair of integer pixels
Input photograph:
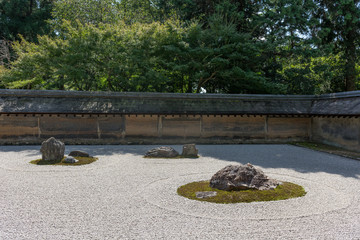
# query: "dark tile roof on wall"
{"type": "Point", "coordinates": [68, 102]}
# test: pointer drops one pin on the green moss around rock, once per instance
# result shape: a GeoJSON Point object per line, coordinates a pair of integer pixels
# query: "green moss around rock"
{"type": "Point", "coordinates": [81, 161]}
{"type": "Point", "coordinates": [284, 191]}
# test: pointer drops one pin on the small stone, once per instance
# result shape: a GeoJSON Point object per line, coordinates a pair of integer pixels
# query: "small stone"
{"type": "Point", "coordinates": [162, 152]}
{"type": "Point", "coordinates": [79, 154]}
{"type": "Point", "coordinates": [52, 150]}
{"type": "Point", "coordinates": [205, 194]}
{"type": "Point", "coordinates": [70, 159]}
{"type": "Point", "coordinates": [189, 150]}
{"type": "Point", "coordinates": [241, 177]}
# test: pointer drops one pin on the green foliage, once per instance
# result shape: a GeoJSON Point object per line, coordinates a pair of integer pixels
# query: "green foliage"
{"type": "Point", "coordinates": [187, 10]}
{"type": "Point", "coordinates": [227, 46]}
{"type": "Point", "coordinates": [141, 11]}
{"type": "Point", "coordinates": [85, 12]}
{"type": "Point", "coordinates": [88, 58]}
{"type": "Point", "coordinates": [284, 191]}
{"type": "Point", "coordinates": [108, 57]}
{"type": "Point", "coordinates": [315, 75]}
{"type": "Point", "coordinates": [217, 59]}
{"type": "Point", "coordinates": [338, 28]}
{"type": "Point", "coordinates": [25, 17]}
{"type": "Point", "coordinates": [3, 71]}
{"type": "Point", "coordinates": [141, 57]}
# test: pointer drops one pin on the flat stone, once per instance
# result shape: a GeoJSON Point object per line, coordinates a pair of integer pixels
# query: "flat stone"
{"type": "Point", "coordinates": [162, 152]}
{"type": "Point", "coordinates": [52, 150]}
{"type": "Point", "coordinates": [241, 177]}
{"type": "Point", "coordinates": [208, 194]}
{"type": "Point", "coordinates": [70, 159]}
{"type": "Point", "coordinates": [189, 150]}
{"type": "Point", "coordinates": [78, 153]}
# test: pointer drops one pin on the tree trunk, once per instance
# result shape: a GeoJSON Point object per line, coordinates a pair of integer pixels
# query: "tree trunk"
{"type": "Point", "coordinates": [350, 70]}
{"type": "Point", "coordinates": [350, 55]}
{"type": "Point", "coordinates": [31, 7]}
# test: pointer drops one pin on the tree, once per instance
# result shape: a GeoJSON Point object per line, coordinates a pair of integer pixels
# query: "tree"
{"type": "Point", "coordinates": [186, 10]}
{"type": "Point", "coordinates": [5, 56]}
{"type": "Point", "coordinates": [85, 12]}
{"type": "Point", "coordinates": [25, 17]}
{"type": "Point", "coordinates": [88, 57]}
{"type": "Point", "coordinates": [339, 27]}
{"type": "Point", "coordinates": [221, 46]}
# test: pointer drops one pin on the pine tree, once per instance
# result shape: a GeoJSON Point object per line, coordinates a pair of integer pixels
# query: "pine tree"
{"type": "Point", "coordinates": [25, 17]}
{"type": "Point", "coordinates": [339, 28]}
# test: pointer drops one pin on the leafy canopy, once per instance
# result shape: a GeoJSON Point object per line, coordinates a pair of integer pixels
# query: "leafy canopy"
{"type": "Point", "coordinates": [221, 46]}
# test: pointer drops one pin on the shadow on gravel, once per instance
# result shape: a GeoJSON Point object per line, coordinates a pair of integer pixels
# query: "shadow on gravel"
{"type": "Point", "coordinates": [284, 156]}
{"type": "Point", "coordinates": [264, 155]}
{"type": "Point", "coordinates": [107, 150]}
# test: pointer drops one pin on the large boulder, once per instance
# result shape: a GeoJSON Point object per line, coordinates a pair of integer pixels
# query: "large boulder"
{"type": "Point", "coordinates": [189, 150]}
{"type": "Point", "coordinates": [52, 150]}
{"type": "Point", "coordinates": [241, 177]}
{"type": "Point", "coordinates": [162, 152]}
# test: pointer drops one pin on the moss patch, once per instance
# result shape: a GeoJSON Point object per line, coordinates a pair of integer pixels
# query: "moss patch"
{"type": "Point", "coordinates": [82, 161]}
{"type": "Point", "coordinates": [284, 191]}
{"type": "Point", "coordinates": [329, 149]}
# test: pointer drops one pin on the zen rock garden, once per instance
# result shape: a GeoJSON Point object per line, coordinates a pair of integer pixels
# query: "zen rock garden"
{"type": "Point", "coordinates": [231, 184]}
{"type": "Point", "coordinates": [127, 196]}
{"type": "Point", "coordinates": [53, 153]}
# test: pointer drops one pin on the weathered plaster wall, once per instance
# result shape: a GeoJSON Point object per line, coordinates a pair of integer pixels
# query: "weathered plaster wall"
{"type": "Point", "coordinates": [147, 129]}
{"type": "Point", "coordinates": [341, 132]}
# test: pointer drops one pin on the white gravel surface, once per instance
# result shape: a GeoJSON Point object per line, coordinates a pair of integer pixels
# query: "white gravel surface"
{"type": "Point", "coordinates": [125, 196]}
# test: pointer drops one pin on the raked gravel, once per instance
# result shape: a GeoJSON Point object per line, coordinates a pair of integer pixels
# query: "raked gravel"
{"type": "Point", "coordinates": [126, 196]}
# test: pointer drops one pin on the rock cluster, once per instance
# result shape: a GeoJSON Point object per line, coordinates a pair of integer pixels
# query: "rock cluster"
{"type": "Point", "coordinates": [189, 150]}
{"type": "Point", "coordinates": [240, 177]}
{"type": "Point", "coordinates": [52, 150]}
{"type": "Point", "coordinates": [162, 152]}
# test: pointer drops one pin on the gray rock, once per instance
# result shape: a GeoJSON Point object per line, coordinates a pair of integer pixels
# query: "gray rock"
{"type": "Point", "coordinates": [79, 154]}
{"type": "Point", "coordinates": [208, 194]}
{"type": "Point", "coordinates": [52, 150]}
{"type": "Point", "coordinates": [240, 177]}
{"type": "Point", "coordinates": [189, 150]}
{"type": "Point", "coordinates": [162, 152]}
{"type": "Point", "coordinates": [70, 159]}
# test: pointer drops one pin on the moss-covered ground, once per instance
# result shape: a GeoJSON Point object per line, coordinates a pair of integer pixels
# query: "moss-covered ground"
{"type": "Point", "coordinates": [284, 191]}
{"type": "Point", "coordinates": [81, 161]}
